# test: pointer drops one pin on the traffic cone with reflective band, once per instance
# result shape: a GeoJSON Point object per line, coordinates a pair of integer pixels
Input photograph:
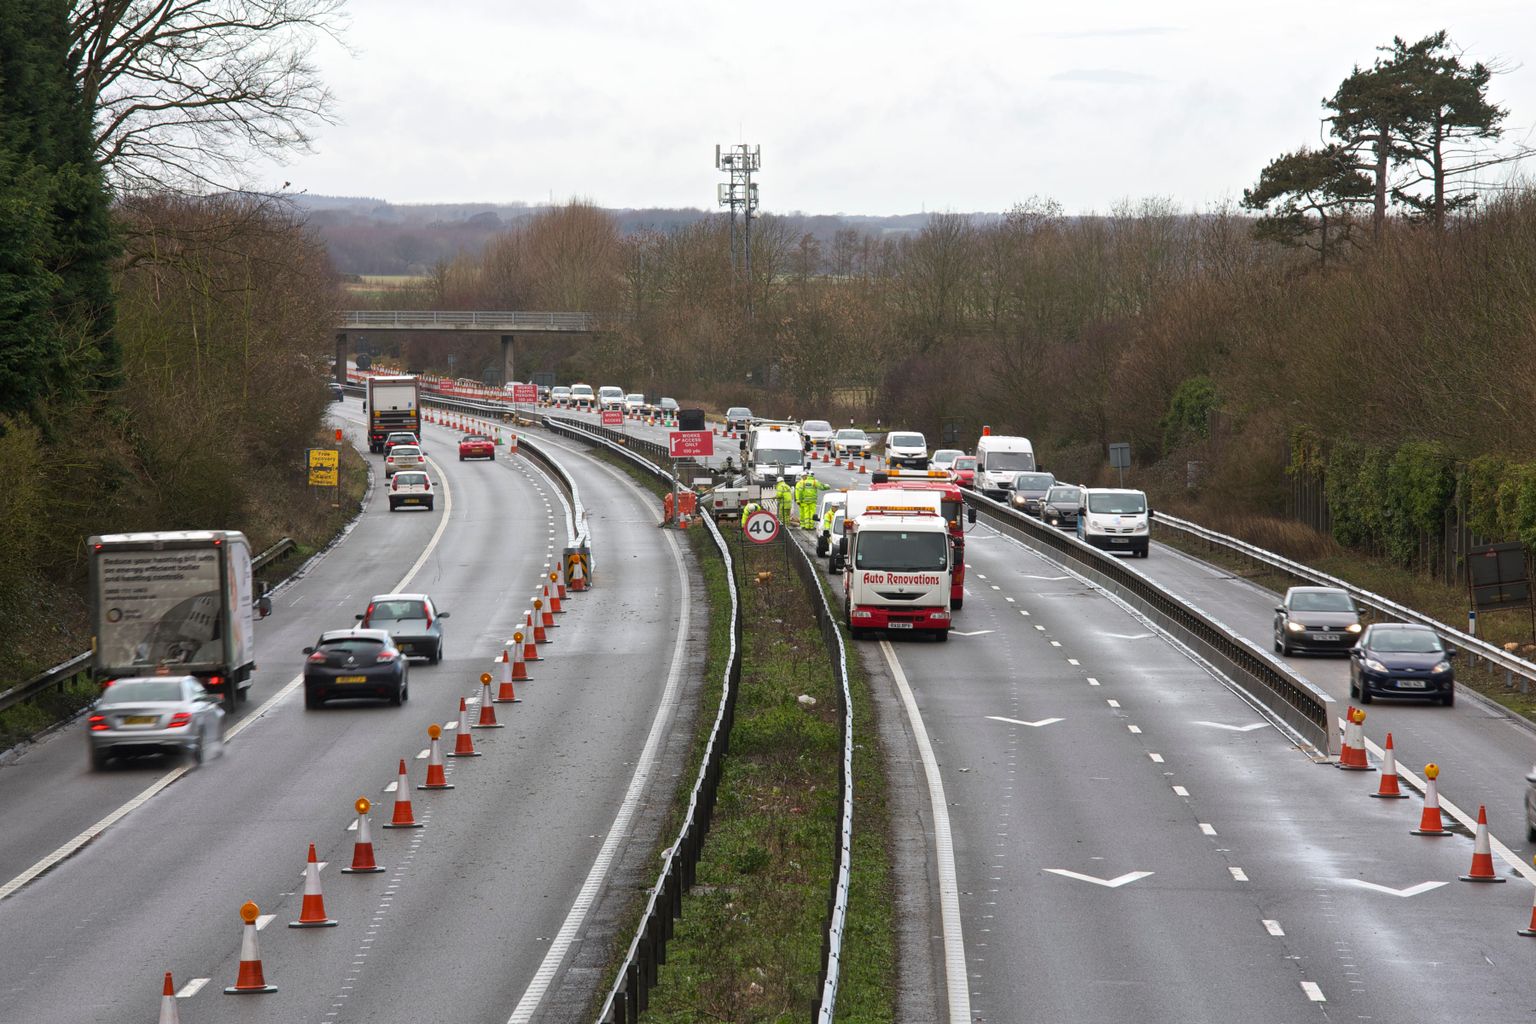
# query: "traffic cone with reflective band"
{"type": "Point", "coordinates": [487, 708]}
{"type": "Point", "coordinates": [506, 693]}
{"type": "Point", "coordinates": [362, 850]}
{"type": "Point", "coordinates": [554, 578]}
{"type": "Point", "coordinates": [1352, 752]}
{"type": "Point", "coordinates": [1389, 789]}
{"type": "Point", "coordinates": [403, 817]}
{"type": "Point", "coordinates": [1482, 852]}
{"type": "Point", "coordinates": [464, 743]}
{"type": "Point", "coordinates": [312, 909]}
{"type": "Point", "coordinates": [1429, 821]}
{"type": "Point", "coordinates": [553, 599]}
{"type": "Point", "coordinates": [168, 1013]}
{"type": "Point", "coordinates": [1530, 931]}
{"type": "Point", "coordinates": [546, 613]}
{"type": "Point", "coordinates": [437, 777]}
{"type": "Point", "coordinates": [249, 980]}
{"type": "Point", "coordinates": [530, 646]}
{"type": "Point", "coordinates": [535, 619]}
{"type": "Point", "coordinates": [519, 666]}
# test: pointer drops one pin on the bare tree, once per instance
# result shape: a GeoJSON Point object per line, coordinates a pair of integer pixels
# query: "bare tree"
{"type": "Point", "coordinates": [187, 91]}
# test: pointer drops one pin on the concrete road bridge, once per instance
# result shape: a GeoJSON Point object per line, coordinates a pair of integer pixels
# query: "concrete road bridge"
{"type": "Point", "coordinates": [508, 325]}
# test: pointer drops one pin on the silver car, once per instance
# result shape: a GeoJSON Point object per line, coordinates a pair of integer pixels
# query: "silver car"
{"type": "Point", "coordinates": [403, 456]}
{"type": "Point", "coordinates": [154, 715]}
{"type": "Point", "coordinates": [412, 620]}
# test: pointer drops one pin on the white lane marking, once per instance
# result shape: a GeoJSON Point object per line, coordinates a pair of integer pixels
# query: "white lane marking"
{"type": "Point", "coordinates": [1108, 883]}
{"type": "Point", "coordinates": [1238, 875]}
{"type": "Point", "coordinates": [1207, 829]}
{"type": "Point", "coordinates": [1040, 627]}
{"type": "Point", "coordinates": [422, 755]}
{"type": "Point", "coordinates": [1313, 992]}
{"type": "Point", "coordinates": [979, 632]}
{"type": "Point", "coordinates": [263, 920]}
{"type": "Point", "coordinates": [1092, 681]}
{"type": "Point", "coordinates": [1072, 661]}
{"type": "Point", "coordinates": [1023, 612]}
{"type": "Point", "coordinates": [1048, 579]}
{"type": "Point", "coordinates": [1135, 729]}
{"type": "Point", "coordinates": [392, 786]}
{"type": "Point", "coordinates": [1112, 702]}
{"type": "Point", "coordinates": [1273, 927]}
{"type": "Point", "coordinates": [1234, 728]}
{"type": "Point", "coordinates": [1412, 890]}
{"type": "Point", "coordinates": [1055, 643]}
{"type": "Point", "coordinates": [996, 587]}
{"type": "Point", "coordinates": [1180, 791]}
{"type": "Point", "coordinates": [618, 834]}
{"type": "Point", "coordinates": [1130, 636]}
{"type": "Point", "coordinates": [1020, 721]}
{"type": "Point", "coordinates": [1505, 854]}
{"type": "Point", "coordinates": [955, 980]}
{"type": "Point", "coordinates": [1008, 599]}
{"type": "Point", "coordinates": [192, 988]}
{"type": "Point", "coordinates": [1156, 758]}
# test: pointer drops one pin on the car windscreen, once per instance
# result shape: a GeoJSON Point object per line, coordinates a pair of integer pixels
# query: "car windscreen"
{"type": "Point", "coordinates": [946, 455]}
{"type": "Point", "coordinates": [898, 551]}
{"type": "Point", "coordinates": [1008, 462]}
{"type": "Point", "coordinates": [1117, 504]}
{"type": "Point", "coordinates": [907, 441]}
{"type": "Point", "coordinates": [966, 462]}
{"type": "Point", "coordinates": [818, 426]}
{"type": "Point", "coordinates": [1066, 495]}
{"type": "Point", "coordinates": [394, 611]}
{"type": "Point", "coordinates": [357, 646]}
{"type": "Point", "coordinates": [1033, 482]}
{"type": "Point", "coordinates": [562, 390]}
{"type": "Point", "coordinates": [791, 456]}
{"type": "Point", "coordinates": [1405, 641]}
{"type": "Point", "coordinates": [852, 435]}
{"type": "Point", "coordinates": [142, 690]}
{"type": "Point", "coordinates": [1321, 601]}
{"type": "Point", "coordinates": [736, 412]}
{"type": "Point", "coordinates": [474, 439]}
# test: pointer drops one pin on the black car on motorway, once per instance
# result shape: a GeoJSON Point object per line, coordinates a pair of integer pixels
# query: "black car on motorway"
{"type": "Point", "coordinates": [1028, 492]}
{"type": "Point", "coordinates": [347, 663]}
{"type": "Point", "coordinates": [1316, 619]}
{"type": "Point", "coordinates": [1061, 506]}
{"type": "Point", "coordinates": [1399, 659]}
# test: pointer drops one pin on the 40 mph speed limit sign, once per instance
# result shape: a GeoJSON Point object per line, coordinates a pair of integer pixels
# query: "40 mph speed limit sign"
{"type": "Point", "coordinates": [761, 527]}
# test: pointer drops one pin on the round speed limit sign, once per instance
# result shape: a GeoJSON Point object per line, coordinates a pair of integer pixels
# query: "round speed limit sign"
{"type": "Point", "coordinates": [761, 527]}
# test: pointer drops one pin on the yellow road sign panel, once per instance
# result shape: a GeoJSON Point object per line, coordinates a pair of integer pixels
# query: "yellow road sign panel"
{"type": "Point", "coordinates": [324, 458]}
{"type": "Point", "coordinates": [319, 477]}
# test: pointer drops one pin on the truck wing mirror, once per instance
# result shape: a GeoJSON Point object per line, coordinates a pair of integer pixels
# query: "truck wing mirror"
{"type": "Point", "coordinates": [358, 616]}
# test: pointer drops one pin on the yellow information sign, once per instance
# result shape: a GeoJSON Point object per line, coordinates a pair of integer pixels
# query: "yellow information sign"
{"type": "Point", "coordinates": [324, 467]}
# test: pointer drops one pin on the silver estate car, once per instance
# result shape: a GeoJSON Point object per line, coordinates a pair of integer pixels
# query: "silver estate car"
{"type": "Point", "coordinates": [412, 620]}
{"type": "Point", "coordinates": [154, 715]}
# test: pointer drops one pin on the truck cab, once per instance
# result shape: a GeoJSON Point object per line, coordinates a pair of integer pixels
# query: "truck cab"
{"type": "Point", "coordinates": [896, 571]}
{"type": "Point", "coordinates": [951, 507]}
{"type": "Point", "coordinates": [772, 451]}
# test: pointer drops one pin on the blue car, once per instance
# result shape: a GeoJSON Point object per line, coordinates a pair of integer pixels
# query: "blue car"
{"type": "Point", "coordinates": [1396, 659]}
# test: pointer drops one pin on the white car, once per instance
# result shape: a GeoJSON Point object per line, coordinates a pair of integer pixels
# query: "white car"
{"type": "Point", "coordinates": [818, 433]}
{"type": "Point", "coordinates": [634, 403]}
{"type": "Point", "coordinates": [850, 441]}
{"type": "Point", "coordinates": [560, 396]}
{"type": "Point", "coordinates": [944, 459]}
{"type": "Point", "coordinates": [907, 449]}
{"type": "Point", "coordinates": [410, 487]}
{"type": "Point", "coordinates": [583, 398]}
{"type": "Point", "coordinates": [610, 397]}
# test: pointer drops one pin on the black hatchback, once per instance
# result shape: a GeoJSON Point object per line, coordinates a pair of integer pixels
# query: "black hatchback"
{"type": "Point", "coordinates": [1399, 659]}
{"type": "Point", "coordinates": [348, 663]}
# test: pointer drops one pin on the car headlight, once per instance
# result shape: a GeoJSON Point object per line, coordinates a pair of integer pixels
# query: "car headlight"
{"type": "Point", "coordinates": [1374, 665]}
{"type": "Point", "coordinates": [1141, 527]}
{"type": "Point", "coordinates": [1353, 627]}
{"type": "Point", "coordinates": [859, 613]}
{"type": "Point", "coordinates": [1294, 627]}
{"type": "Point", "coordinates": [1441, 668]}
{"type": "Point", "coordinates": [1052, 510]}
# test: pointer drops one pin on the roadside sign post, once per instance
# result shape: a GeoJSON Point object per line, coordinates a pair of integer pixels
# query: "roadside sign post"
{"type": "Point", "coordinates": [761, 527]}
{"type": "Point", "coordinates": [1120, 458]}
{"type": "Point", "coordinates": [523, 393]}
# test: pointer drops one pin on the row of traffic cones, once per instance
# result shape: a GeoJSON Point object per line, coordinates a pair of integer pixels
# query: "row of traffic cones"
{"type": "Point", "coordinates": [250, 977]}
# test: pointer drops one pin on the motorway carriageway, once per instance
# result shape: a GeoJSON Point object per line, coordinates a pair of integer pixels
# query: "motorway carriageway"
{"type": "Point", "coordinates": [511, 893]}
{"type": "Point", "coordinates": [1133, 841]}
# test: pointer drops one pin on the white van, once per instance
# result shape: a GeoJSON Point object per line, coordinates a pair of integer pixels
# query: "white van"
{"type": "Point", "coordinates": [998, 459]}
{"type": "Point", "coordinates": [906, 448]}
{"type": "Point", "coordinates": [1115, 520]}
{"type": "Point", "coordinates": [610, 397]}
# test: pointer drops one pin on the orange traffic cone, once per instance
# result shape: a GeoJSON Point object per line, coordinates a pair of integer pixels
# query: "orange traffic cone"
{"type": "Point", "coordinates": [546, 614]}
{"type": "Point", "coordinates": [862, 470]}
{"type": "Point", "coordinates": [250, 980]}
{"type": "Point", "coordinates": [487, 708]}
{"type": "Point", "coordinates": [403, 817]}
{"type": "Point", "coordinates": [535, 619]}
{"type": "Point", "coordinates": [362, 850]}
{"type": "Point", "coordinates": [312, 910]}
{"type": "Point", "coordinates": [437, 777]}
{"type": "Point", "coordinates": [554, 578]}
{"type": "Point", "coordinates": [168, 1013]}
{"type": "Point", "coordinates": [1389, 790]}
{"type": "Point", "coordinates": [464, 743]}
{"type": "Point", "coordinates": [506, 693]}
{"type": "Point", "coordinates": [1482, 852]}
{"type": "Point", "coordinates": [1429, 821]}
{"type": "Point", "coordinates": [519, 666]}
{"type": "Point", "coordinates": [1352, 753]}
{"type": "Point", "coordinates": [553, 599]}
{"type": "Point", "coordinates": [530, 645]}
{"type": "Point", "coordinates": [1530, 931]}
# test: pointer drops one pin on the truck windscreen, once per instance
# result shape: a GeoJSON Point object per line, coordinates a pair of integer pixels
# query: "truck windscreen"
{"type": "Point", "coordinates": [898, 551]}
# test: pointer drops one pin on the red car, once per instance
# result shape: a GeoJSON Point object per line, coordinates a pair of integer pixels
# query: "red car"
{"type": "Point", "coordinates": [476, 446]}
{"type": "Point", "coordinates": [963, 471]}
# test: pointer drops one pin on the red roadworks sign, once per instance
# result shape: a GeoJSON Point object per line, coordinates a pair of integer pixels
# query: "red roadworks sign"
{"type": "Point", "coordinates": [691, 444]}
{"type": "Point", "coordinates": [525, 394]}
{"type": "Point", "coordinates": [613, 418]}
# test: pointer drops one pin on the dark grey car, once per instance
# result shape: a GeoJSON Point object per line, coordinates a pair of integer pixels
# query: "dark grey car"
{"type": "Point", "coordinates": [412, 620]}
{"type": "Point", "coordinates": [1061, 506]}
{"type": "Point", "coordinates": [1316, 620]}
{"type": "Point", "coordinates": [1029, 491]}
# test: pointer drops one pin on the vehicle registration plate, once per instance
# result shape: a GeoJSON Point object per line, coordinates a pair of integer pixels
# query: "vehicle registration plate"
{"type": "Point", "coordinates": [411, 501]}
{"type": "Point", "coordinates": [351, 679]}
{"type": "Point", "coordinates": [139, 719]}
{"type": "Point", "coordinates": [1118, 540]}
{"type": "Point", "coordinates": [899, 625]}
{"type": "Point", "coordinates": [1410, 684]}
{"type": "Point", "coordinates": [1323, 636]}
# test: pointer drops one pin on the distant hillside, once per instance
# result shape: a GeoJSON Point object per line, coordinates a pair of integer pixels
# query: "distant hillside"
{"type": "Point", "coordinates": [373, 236]}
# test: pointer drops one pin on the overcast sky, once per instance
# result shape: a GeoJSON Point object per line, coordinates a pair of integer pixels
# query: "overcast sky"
{"type": "Point", "coordinates": [859, 106]}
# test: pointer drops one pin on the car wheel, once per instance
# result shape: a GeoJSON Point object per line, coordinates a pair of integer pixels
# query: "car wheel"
{"type": "Point", "coordinates": [398, 697]}
{"type": "Point", "coordinates": [942, 636]}
{"type": "Point", "coordinates": [1530, 832]}
{"type": "Point", "coordinates": [197, 751]}
{"type": "Point", "coordinates": [437, 653]}
{"type": "Point", "coordinates": [461, 458]}
{"type": "Point", "coordinates": [1354, 689]}
{"type": "Point", "coordinates": [312, 700]}
{"type": "Point", "coordinates": [1365, 693]}
{"type": "Point", "coordinates": [1449, 700]}
{"type": "Point", "coordinates": [1279, 647]}
{"type": "Point", "coordinates": [491, 457]}
{"type": "Point", "coordinates": [956, 603]}
{"type": "Point", "coordinates": [99, 759]}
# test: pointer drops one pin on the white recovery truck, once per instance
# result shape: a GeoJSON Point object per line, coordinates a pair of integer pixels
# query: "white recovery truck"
{"type": "Point", "coordinates": [896, 567]}
{"type": "Point", "coordinates": [179, 603]}
{"type": "Point", "coordinates": [772, 450]}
